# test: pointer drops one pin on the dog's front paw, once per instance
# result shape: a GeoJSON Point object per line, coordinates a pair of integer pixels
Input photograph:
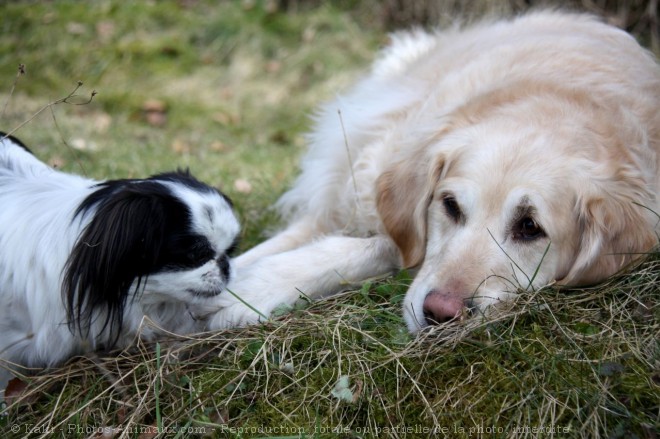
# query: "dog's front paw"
{"type": "Point", "coordinates": [244, 309]}
{"type": "Point", "coordinates": [252, 296]}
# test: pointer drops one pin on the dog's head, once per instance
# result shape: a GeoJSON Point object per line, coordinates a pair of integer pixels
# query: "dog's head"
{"type": "Point", "coordinates": [164, 239]}
{"type": "Point", "coordinates": [513, 193]}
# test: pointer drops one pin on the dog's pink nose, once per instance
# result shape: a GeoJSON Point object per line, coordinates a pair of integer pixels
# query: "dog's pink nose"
{"type": "Point", "coordinates": [442, 307]}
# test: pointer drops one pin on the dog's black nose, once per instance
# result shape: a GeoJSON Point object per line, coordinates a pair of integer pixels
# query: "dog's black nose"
{"type": "Point", "coordinates": [225, 267]}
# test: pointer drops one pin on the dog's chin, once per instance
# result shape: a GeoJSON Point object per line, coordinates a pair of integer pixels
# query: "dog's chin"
{"type": "Point", "coordinates": [205, 293]}
{"type": "Point", "coordinates": [183, 286]}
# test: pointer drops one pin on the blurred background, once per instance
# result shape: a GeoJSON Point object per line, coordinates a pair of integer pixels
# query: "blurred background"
{"type": "Point", "coordinates": [225, 88]}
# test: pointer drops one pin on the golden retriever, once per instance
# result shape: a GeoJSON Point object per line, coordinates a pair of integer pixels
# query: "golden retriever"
{"type": "Point", "coordinates": [504, 156]}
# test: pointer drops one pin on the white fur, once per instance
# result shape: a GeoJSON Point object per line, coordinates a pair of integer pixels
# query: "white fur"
{"type": "Point", "coordinates": [553, 114]}
{"type": "Point", "coordinates": [37, 233]}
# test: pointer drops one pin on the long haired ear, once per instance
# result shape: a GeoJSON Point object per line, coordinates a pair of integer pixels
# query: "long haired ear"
{"type": "Point", "coordinates": [120, 245]}
{"type": "Point", "coordinates": [404, 193]}
{"type": "Point", "coordinates": [614, 233]}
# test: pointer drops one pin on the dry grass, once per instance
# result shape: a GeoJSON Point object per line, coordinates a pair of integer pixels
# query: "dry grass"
{"type": "Point", "coordinates": [575, 363]}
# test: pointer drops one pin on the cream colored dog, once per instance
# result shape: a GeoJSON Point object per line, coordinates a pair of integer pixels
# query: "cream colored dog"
{"type": "Point", "coordinates": [506, 156]}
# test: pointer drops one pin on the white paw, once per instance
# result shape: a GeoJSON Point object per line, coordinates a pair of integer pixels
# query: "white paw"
{"type": "Point", "coordinates": [244, 309]}
{"type": "Point", "coordinates": [252, 297]}
{"type": "Point", "coordinates": [316, 270]}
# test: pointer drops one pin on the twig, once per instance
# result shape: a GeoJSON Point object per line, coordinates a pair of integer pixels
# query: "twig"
{"type": "Point", "coordinates": [64, 100]}
{"type": "Point", "coordinates": [21, 72]}
{"type": "Point", "coordinates": [73, 152]}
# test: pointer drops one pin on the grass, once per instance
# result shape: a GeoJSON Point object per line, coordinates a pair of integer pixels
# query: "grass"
{"type": "Point", "coordinates": [232, 86]}
{"type": "Point", "coordinates": [580, 363]}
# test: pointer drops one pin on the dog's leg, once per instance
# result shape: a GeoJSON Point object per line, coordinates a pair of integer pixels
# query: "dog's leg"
{"type": "Point", "coordinates": [294, 236]}
{"type": "Point", "coordinates": [318, 269]}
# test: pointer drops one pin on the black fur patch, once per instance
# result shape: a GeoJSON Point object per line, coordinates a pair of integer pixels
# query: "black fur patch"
{"type": "Point", "coordinates": [139, 227]}
{"type": "Point", "coordinates": [4, 135]}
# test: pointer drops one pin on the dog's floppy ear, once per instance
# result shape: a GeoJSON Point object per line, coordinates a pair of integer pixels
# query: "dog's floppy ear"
{"type": "Point", "coordinates": [404, 193]}
{"type": "Point", "coordinates": [614, 231]}
{"type": "Point", "coordinates": [119, 246]}
{"type": "Point", "coordinates": [615, 207]}
{"type": "Point", "coordinates": [8, 137]}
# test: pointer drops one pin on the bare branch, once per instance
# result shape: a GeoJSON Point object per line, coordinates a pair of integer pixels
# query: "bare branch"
{"type": "Point", "coordinates": [21, 72]}
{"type": "Point", "coordinates": [64, 100]}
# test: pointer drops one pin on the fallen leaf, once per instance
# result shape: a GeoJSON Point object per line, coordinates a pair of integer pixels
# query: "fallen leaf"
{"type": "Point", "coordinates": [218, 146]}
{"type": "Point", "coordinates": [155, 112]}
{"type": "Point", "coordinates": [17, 392]}
{"type": "Point", "coordinates": [226, 119]}
{"type": "Point", "coordinates": [243, 186]}
{"type": "Point", "coordinates": [156, 119]}
{"type": "Point", "coordinates": [180, 146]}
{"type": "Point", "coordinates": [16, 389]}
{"type": "Point", "coordinates": [154, 105]}
{"type": "Point", "coordinates": [221, 118]}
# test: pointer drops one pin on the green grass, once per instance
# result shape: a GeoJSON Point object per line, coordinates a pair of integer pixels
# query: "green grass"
{"type": "Point", "coordinates": [237, 85]}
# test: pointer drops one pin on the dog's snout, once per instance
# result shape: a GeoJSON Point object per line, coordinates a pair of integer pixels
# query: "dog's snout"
{"type": "Point", "coordinates": [441, 307]}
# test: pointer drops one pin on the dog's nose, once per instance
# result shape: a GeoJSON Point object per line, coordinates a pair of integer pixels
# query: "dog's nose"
{"type": "Point", "coordinates": [440, 307]}
{"type": "Point", "coordinates": [225, 267]}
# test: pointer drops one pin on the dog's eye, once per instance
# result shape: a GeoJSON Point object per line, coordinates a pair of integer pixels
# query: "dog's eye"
{"type": "Point", "coordinates": [195, 252]}
{"type": "Point", "coordinates": [202, 254]}
{"type": "Point", "coordinates": [452, 208]}
{"type": "Point", "coordinates": [527, 229]}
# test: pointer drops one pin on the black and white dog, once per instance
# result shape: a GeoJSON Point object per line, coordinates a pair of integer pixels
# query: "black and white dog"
{"type": "Point", "coordinates": [82, 262]}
